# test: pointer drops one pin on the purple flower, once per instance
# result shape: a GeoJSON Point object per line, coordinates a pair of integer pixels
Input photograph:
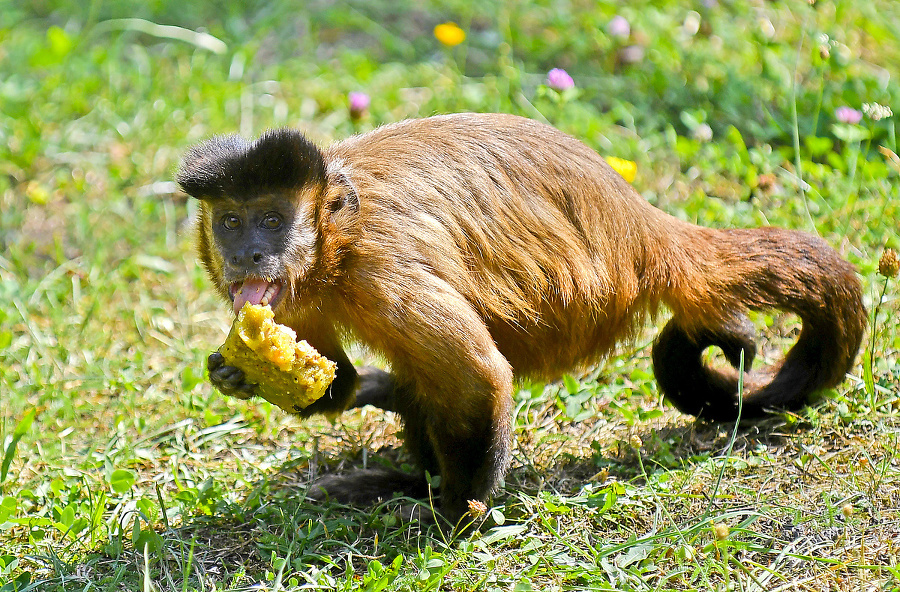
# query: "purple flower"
{"type": "Point", "coordinates": [559, 80]}
{"type": "Point", "coordinates": [849, 115]}
{"type": "Point", "coordinates": [359, 102]}
{"type": "Point", "coordinates": [619, 27]}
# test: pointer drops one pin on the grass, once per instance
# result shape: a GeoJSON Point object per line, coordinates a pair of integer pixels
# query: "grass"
{"type": "Point", "coordinates": [123, 470]}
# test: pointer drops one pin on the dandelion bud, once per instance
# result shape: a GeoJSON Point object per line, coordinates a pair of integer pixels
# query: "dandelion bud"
{"type": "Point", "coordinates": [889, 264]}
{"type": "Point", "coordinates": [626, 168]}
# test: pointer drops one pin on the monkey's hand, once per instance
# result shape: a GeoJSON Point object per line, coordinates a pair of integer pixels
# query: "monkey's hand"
{"type": "Point", "coordinates": [229, 380]}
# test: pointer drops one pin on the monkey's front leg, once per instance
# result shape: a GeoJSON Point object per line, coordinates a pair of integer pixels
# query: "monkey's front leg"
{"type": "Point", "coordinates": [464, 429]}
{"type": "Point", "coordinates": [457, 399]}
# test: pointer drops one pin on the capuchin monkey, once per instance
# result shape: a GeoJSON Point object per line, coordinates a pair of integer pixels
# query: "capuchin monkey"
{"type": "Point", "coordinates": [471, 249]}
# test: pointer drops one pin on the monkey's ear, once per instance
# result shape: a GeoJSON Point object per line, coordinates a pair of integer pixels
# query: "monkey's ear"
{"type": "Point", "coordinates": [341, 194]}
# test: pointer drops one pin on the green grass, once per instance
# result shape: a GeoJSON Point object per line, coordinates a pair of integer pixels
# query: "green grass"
{"type": "Point", "coordinates": [121, 469]}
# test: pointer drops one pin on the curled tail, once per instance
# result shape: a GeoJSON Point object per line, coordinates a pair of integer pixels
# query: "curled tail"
{"type": "Point", "coordinates": [765, 268]}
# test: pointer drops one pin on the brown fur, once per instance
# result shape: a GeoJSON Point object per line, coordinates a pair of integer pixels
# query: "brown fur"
{"type": "Point", "coordinates": [468, 249]}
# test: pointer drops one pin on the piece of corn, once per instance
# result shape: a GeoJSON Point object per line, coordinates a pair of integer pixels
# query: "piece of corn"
{"type": "Point", "coordinates": [288, 373]}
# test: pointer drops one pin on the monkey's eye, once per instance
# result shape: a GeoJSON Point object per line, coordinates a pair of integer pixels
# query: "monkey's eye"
{"type": "Point", "coordinates": [231, 222]}
{"type": "Point", "coordinates": [272, 221]}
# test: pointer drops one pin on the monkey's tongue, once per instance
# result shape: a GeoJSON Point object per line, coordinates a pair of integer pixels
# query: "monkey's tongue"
{"type": "Point", "coordinates": [254, 291]}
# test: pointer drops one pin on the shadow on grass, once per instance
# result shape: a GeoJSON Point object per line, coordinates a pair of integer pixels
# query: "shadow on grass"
{"type": "Point", "coordinates": [274, 529]}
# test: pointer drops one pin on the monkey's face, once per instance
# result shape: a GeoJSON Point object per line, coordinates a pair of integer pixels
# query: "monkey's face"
{"type": "Point", "coordinates": [273, 223]}
{"type": "Point", "coordinates": [262, 246]}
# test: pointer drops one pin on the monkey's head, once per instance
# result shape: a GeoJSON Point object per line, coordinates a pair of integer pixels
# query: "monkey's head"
{"type": "Point", "coordinates": [268, 210]}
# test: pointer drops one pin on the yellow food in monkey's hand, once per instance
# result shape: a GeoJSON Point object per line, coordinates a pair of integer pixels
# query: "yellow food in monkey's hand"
{"type": "Point", "coordinates": [288, 373]}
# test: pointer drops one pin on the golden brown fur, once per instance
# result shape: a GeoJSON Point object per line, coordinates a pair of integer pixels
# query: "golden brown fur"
{"type": "Point", "coordinates": [468, 249]}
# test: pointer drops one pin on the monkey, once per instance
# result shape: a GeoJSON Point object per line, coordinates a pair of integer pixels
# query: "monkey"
{"type": "Point", "coordinates": [471, 250]}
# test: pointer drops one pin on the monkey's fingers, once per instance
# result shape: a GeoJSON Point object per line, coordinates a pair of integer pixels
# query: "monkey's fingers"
{"type": "Point", "coordinates": [215, 361]}
{"type": "Point", "coordinates": [231, 381]}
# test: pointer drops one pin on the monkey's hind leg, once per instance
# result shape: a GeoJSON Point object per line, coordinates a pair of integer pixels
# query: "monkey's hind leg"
{"type": "Point", "coordinates": [376, 388]}
{"type": "Point", "coordinates": [363, 487]}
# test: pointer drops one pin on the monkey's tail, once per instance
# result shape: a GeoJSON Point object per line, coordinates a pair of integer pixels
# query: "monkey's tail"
{"type": "Point", "coordinates": [759, 269]}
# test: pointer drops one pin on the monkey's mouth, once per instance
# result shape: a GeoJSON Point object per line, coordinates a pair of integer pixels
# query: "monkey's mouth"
{"type": "Point", "coordinates": [255, 291]}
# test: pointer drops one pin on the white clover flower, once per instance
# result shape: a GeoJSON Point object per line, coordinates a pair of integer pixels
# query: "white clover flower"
{"type": "Point", "coordinates": [877, 112]}
{"type": "Point", "coordinates": [702, 133]}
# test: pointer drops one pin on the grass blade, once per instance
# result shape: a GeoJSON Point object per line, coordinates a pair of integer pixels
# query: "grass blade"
{"type": "Point", "coordinates": [21, 429]}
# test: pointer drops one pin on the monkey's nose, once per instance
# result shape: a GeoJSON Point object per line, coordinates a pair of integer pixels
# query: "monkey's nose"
{"type": "Point", "coordinates": [244, 260]}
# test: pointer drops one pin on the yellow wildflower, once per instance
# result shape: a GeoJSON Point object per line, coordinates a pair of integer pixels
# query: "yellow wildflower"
{"type": "Point", "coordinates": [626, 168]}
{"type": "Point", "coordinates": [449, 34]}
